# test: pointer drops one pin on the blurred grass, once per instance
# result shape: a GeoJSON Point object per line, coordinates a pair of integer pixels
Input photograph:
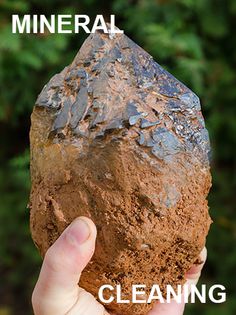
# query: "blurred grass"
{"type": "Point", "coordinates": [192, 39]}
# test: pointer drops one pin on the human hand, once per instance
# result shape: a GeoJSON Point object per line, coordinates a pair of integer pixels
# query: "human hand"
{"type": "Point", "coordinates": [57, 291]}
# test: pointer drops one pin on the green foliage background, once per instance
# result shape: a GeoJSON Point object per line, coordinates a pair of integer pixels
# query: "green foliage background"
{"type": "Point", "coordinates": [192, 39]}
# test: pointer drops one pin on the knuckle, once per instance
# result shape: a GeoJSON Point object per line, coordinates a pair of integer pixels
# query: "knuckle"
{"type": "Point", "coordinates": [53, 261]}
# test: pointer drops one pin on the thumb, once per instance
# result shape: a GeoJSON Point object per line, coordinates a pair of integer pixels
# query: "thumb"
{"type": "Point", "coordinates": [57, 288]}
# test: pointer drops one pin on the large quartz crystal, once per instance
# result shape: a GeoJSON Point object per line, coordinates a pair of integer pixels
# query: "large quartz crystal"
{"type": "Point", "coordinates": [117, 138]}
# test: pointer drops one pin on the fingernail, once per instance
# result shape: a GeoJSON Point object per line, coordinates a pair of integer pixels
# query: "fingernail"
{"type": "Point", "coordinates": [194, 270]}
{"type": "Point", "coordinates": [78, 232]}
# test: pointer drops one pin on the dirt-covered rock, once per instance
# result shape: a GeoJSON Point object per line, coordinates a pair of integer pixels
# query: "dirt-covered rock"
{"type": "Point", "coordinates": [118, 139]}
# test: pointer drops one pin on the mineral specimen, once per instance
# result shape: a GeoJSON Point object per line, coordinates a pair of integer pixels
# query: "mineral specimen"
{"type": "Point", "coordinates": [117, 138]}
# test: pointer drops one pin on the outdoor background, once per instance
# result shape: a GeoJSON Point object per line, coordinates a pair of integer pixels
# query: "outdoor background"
{"type": "Point", "coordinates": [195, 41]}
